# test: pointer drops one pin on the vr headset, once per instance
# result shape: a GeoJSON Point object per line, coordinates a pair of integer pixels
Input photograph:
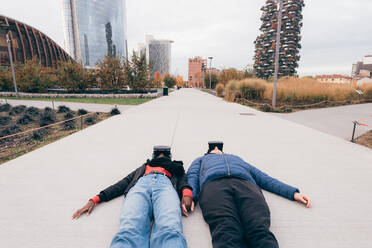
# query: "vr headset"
{"type": "Point", "coordinates": [213, 144]}
{"type": "Point", "coordinates": [166, 150]}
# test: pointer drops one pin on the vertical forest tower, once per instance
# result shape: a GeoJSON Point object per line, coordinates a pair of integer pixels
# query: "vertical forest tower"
{"type": "Point", "coordinates": [264, 60]}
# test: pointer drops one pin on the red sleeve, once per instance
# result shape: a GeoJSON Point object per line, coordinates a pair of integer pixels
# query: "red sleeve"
{"type": "Point", "coordinates": [95, 199]}
{"type": "Point", "coordinates": [187, 192]}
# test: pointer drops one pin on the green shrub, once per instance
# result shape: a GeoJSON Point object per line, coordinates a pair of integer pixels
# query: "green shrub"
{"type": "Point", "coordinates": [39, 134]}
{"type": "Point", "coordinates": [4, 120]}
{"type": "Point", "coordinates": [48, 109]}
{"type": "Point", "coordinates": [82, 112]}
{"type": "Point", "coordinates": [33, 111]}
{"type": "Point", "coordinates": [266, 108]}
{"type": "Point", "coordinates": [10, 130]}
{"type": "Point", "coordinates": [115, 111]}
{"type": "Point", "coordinates": [71, 124]}
{"type": "Point", "coordinates": [25, 119]}
{"type": "Point", "coordinates": [18, 110]}
{"type": "Point", "coordinates": [5, 107]}
{"type": "Point", "coordinates": [63, 109]}
{"type": "Point", "coordinates": [286, 110]}
{"type": "Point", "coordinates": [91, 120]}
{"type": "Point", "coordinates": [169, 81]}
{"type": "Point", "coordinates": [47, 118]}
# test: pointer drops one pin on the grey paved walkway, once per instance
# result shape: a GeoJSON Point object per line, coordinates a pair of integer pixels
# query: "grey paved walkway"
{"type": "Point", "coordinates": [72, 105]}
{"type": "Point", "coordinates": [337, 121]}
{"type": "Point", "coordinates": [40, 190]}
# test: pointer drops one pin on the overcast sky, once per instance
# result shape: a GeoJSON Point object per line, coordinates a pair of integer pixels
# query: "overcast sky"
{"type": "Point", "coordinates": [336, 33]}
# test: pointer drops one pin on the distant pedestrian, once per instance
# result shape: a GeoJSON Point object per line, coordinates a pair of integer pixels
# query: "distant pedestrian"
{"type": "Point", "coordinates": [229, 192]}
{"type": "Point", "coordinates": [152, 192]}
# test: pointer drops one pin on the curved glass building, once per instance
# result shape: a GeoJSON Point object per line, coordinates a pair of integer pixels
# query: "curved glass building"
{"type": "Point", "coordinates": [28, 43]}
{"type": "Point", "coordinates": [94, 29]}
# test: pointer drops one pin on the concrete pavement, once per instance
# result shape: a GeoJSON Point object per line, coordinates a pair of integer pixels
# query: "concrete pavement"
{"type": "Point", "coordinates": [40, 190]}
{"type": "Point", "coordinates": [91, 107]}
{"type": "Point", "coordinates": [337, 121]}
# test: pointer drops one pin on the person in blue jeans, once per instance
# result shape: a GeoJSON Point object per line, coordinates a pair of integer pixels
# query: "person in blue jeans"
{"type": "Point", "coordinates": [152, 194]}
{"type": "Point", "coordinates": [229, 193]}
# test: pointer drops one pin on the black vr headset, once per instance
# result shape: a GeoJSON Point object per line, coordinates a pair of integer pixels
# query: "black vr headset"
{"type": "Point", "coordinates": [166, 150]}
{"type": "Point", "coordinates": [213, 144]}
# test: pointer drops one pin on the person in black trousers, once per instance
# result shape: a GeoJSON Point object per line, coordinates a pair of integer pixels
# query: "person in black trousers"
{"type": "Point", "coordinates": [230, 197]}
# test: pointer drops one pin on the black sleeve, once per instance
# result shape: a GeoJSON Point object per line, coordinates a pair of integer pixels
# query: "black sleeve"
{"type": "Point", "coordinates": [182, 184]}
{"type": "Point", "coordinates": [117, 189]}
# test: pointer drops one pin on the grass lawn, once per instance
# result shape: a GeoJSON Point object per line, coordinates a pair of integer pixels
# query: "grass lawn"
{"type": "Point", "coordinates": [365, 140]}
{"type": "Point", "coordinates": [119, 101]}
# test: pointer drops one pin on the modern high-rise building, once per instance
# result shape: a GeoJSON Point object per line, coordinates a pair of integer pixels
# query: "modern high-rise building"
{"type": "Point", "coordinates": [289, 47]}
{"type": "Point", "coordinates": [158, 54]}
{"type": "Point", "coordinates": [94, 29]}
{"type": "Point", "coordinates": [142, 49]}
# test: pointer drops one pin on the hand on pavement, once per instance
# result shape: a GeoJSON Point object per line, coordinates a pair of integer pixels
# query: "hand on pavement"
{"type": "Point", "coordinates": [87, 208]}
{"type": "Point", "coordinates": [187, 205]}
{"type": "Point", "coordinates": [302, 199]}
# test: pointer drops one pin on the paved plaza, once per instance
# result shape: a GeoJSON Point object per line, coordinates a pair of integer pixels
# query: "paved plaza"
{"type": "Point", "coordinates": [41, 190]}
{"type": "Point", "coordinates": [337, 121]}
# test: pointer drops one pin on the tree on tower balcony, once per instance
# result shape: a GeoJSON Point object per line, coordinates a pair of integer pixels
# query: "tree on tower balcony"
{"type": "Point", "coordinates": [265, 44]}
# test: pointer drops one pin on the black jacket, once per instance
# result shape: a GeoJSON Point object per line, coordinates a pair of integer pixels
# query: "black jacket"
{"type": "Point", "coordinates": [179, 179]}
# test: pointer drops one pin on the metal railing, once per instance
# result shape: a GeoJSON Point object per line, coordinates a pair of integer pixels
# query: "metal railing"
{"type": "Point", "coordinates": [18, 143]}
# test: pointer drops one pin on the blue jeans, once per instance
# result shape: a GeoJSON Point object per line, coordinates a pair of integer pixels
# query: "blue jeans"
{"type": "Point", "coordinates": [153, 197]}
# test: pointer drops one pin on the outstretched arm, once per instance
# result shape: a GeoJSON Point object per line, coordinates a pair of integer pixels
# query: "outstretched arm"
{"type": "Point", "coordinates": [108, 194]}
{"type": "Point", "coordinates": [277, 187]}
{"type": "Point", "coordinates": [187, 204]}
{"type": "Point", "coordinates": [184, 192]}
{"type": "Point", "coordinates": [193, 174]}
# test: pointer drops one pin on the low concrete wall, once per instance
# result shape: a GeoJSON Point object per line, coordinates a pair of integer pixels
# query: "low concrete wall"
{"type": "Point", "coordinates": [48, 95]}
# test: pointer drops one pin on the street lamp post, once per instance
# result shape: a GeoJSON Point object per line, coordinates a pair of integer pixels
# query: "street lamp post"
{"type": "Point", "coordinates": [210, 73]}
{"type": "Point", "coordinates": [11, 65]}
{"type": "Point", "coordinates": [7, 28]}
{"type": "Point", "coordinates": [277, 50]}
{"type": "Point", "coordinates": [204, 69]}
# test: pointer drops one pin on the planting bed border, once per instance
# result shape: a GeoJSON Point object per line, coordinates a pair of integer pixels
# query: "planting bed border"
{"type": "Point", "coordinates": [305, 106]}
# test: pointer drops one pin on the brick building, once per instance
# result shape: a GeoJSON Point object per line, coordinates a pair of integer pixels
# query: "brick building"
{"type": "Point", "coordinates": [197, 71]}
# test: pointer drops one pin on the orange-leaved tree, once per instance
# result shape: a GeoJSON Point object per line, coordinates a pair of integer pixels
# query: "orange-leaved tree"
{"type": "Point", "coordinates": [157, 81]}
{"type": "Point", "coordinates": [180, 81]}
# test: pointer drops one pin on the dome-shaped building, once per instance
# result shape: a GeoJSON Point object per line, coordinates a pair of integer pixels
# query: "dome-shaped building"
{"type": "Point", "coordinates": [28, 43]}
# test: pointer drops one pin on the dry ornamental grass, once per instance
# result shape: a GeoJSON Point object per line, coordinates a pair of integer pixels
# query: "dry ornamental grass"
{"type": "Point", "coordinates": [295, 91]}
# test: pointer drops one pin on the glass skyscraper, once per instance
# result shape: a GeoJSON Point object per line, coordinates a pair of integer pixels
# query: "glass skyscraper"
{"type": "Point", "coordinates": [94, 29]}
